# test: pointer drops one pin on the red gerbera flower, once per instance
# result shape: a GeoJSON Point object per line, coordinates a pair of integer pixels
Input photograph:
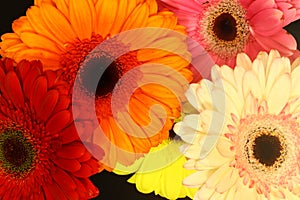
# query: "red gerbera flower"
{"type": "Point", "coordinates": [41, 156]}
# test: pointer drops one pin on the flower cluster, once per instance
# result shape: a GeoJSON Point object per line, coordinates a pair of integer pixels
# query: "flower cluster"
{"type": "Point", "coordinates": [198, 98]}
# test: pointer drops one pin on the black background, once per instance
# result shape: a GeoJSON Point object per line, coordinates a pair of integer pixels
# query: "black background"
{"type": "Point", "coordinates": [111, 186]}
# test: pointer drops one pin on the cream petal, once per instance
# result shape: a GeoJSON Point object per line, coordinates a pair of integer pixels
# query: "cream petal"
{"type": "Point", "coordinates": [191, 151]}
{"type": "Point", "coordinates": [213, 159]}
{"type": "Point", "coordinates": [217, 196]}
{"type": "Point", "coordinates": [263, 56]}
{"type": "Point", "coordinates": [204, 94]}
{"type": "Point", "coordinates": [277, 194]}
{"type": "Point", "coordinates": [250, 106]}
{"type": "Point", "coordinates": [239, 73]}
{"type": "Point", "coordinates": [244, 192]}
{"type": "Point", "coordinates": [234, 101]}
{"type": "Point", "coordinates": [204, 193]}
{"type": "Point", "coordinates": [228, 180]}
{"type": "Point", "coordinates": [231, 193]}
{"type": "Point", "coordinates": [196, 179]}
{"type": "Point", "coordinates": [223, 146]}
{"type": "Point", "coordinates": [227, 74]}
{"type": "Point", "coordinates": [273, 55]}
{"type": "Point", "coordinates": [259, 70]}
{"type": "Point", "coordinates": [279, 94]}
{"type": "Point", "coordinates": [189, 134]}
{"type": "Point", "coordinates": [244, 61]}
{"type": "Point", "coordinates": [251, 84]}
{"type": "Point", "coordinates": [215, 73]}
{"type": "Point", "coordinates": [191, 95]}
{"type": "Point", "coordinates": [296, 63]}
{"type": "Point", "coordinates": [295, 77]}
{"type": "Point", "coordinates": [217, 176]}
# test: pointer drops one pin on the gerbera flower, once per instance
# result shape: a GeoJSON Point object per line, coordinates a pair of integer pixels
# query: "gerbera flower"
{"type": "Point", "coordinates": [62, 33]}
{"type": "Point", "coordinates": [225, 27]}
{"type": "Point", "coordinates": [254, 120]}
{"type": "Point", "coordinates": [160, 171]}
{"type": "Point", "coordinates": [41, 156]}
{"type": "Point", "coordinates": [290, 9]}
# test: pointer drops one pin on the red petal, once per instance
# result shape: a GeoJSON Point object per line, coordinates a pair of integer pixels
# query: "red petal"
{"type": "Point", "coordinates": [62, 104]}
{"type": "Point", "coordinates": [70, 165]}
{"type": "Point", "coordinates": [59, 121]}
{"type": "Point", "coordinates": [14, 90]}
{"type": "Point", "coordinates": [69, 134]}
{"type": "Point", "coordinates": [30, 80]}
{"type": "Point", "coordinates": [51, 77]}
{"type": "Point", "coordinates": [63, 178]}
{"type": "Point", "coordinates": [92, 191]}
{"type": "Point", "coordinates": [48, 104]}
{"type": "Point", "coordinates": [82, 190]}
{"type": "Point", "coordinates": [71, 151]}
{"type": "Point", "coordinates": [93, 163]}
{"type": "Point", "coordinates": [95, 150]}
{"type": "Point", "coordinates": [52, 191]}
{"type": "Point", "coordinates": [23, 69]}
{"type": "Point", "coordinates": [85, 171]}
{"type": "Point", "coordinates": [86, 156]}
{"type": "Point", "coordinates": [38, 92]}
{"type": "Point", "coordinates": [8, 64]}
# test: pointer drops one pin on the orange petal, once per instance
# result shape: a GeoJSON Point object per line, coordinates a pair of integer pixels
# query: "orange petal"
{"type": "Point", "coordinates": [81, 18]}
{"type": "Point", "coordinates": [34, 40]}
{"type": "Point", "coordinates": [57, 23]}
{"type": "Point", "coordinates": [106, 12]}
{"type": "Point", "coordinates": [138, 18]}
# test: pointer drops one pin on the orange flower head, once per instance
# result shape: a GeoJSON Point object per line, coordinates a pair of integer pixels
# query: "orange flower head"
{"type": "Point", "coordinates": [66, 34]}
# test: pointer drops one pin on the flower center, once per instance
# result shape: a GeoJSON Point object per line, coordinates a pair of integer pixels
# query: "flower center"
{"type": "Point", "coordinates": [108, 69]}
{"type": "Point", "coordinates": [75, 55]}
{"type": "Point", "coordinates": [16, 152]}
{"type": "Point", "coordinates": [267, 149]}
{"type": "Point", "coordinates": [224, 28]}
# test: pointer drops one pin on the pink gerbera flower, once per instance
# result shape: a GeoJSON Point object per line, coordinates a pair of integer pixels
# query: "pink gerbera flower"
{"type": "Point", "coordinates": [290, 9]}
{"type": "Point", "coordinates": [227, 27]}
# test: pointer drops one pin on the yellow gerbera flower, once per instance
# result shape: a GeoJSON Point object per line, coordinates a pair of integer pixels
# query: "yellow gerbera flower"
{"type": "Point", "coordinates": [161, 171]}
{"type": "Point", "coordinates": [62, 33]}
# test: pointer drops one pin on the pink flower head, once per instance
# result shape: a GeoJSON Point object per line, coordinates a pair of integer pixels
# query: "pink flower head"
{"type": "Point", "coordinates": [227, 27]}
{"type": "Point", "coordinates": [290, 9]}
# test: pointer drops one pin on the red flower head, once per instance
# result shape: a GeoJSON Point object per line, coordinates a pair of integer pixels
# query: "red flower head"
{"type": "Point", "coordinates": [41, 156]}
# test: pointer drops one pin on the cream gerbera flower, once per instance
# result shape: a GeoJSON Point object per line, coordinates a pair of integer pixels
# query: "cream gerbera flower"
{"type": "Point", "coordinates": [245, 141]}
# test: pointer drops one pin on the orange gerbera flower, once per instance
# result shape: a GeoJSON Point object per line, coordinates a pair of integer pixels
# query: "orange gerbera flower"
{"type": "Point", "coordinates": [62, 33]}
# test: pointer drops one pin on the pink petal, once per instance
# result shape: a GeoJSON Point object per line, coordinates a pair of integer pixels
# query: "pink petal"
{"type": "Point", "coordinates": [257, 6]}
{"type": "Point", "coordinates": [282, 41]}
{"type": "Point", "coordinates": [267, 22]}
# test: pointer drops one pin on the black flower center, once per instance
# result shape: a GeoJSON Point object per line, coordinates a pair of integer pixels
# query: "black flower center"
{"type": "Point", "coordinates": [16, 153]}
{"type": "Point", "coordinates": [267, 149]}
{"type": "Point", "coordinates": [100, 67]}
{"type": "Point", "coordinates": [225, 27]}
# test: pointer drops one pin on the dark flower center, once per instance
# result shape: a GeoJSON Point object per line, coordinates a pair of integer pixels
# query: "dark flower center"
{"type": "Point", "coordinates": [16, 153]}
{"type": "Point", "coordinates": [102, 67]}
{"type": "Point", "coordinates": [267, 149]}
{"type": "Point", "coordinates": [225, 27]}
